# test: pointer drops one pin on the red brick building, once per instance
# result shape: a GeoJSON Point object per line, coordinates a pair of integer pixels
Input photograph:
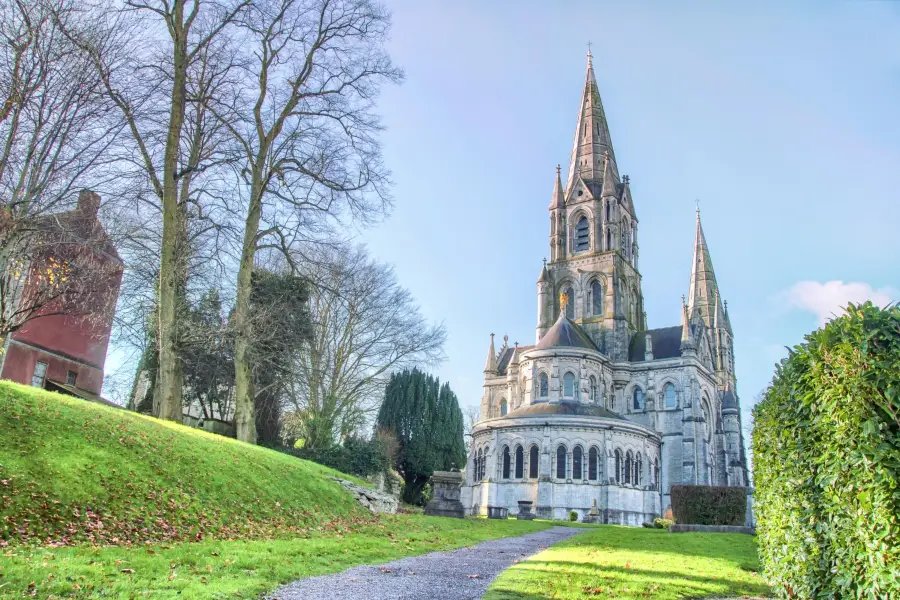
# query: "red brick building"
{"type": "Point", "coordinates": [64, 348]}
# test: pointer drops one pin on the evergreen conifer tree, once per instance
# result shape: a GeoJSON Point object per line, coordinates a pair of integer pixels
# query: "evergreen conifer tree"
{"type": "Point", "coordinates": [426, 420]}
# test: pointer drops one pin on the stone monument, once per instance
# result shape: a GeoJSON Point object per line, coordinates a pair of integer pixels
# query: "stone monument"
{"type": "Point", "coordinates": [593, 515]}
{"type": "Point", "coordinates": [445, 495]}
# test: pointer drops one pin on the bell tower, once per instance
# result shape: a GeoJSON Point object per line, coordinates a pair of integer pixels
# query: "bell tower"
{"type": "Point", "coordinates": [593, 238]}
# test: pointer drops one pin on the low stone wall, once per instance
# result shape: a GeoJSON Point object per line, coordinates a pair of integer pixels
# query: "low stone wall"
{"type": "Point", "coordinates": [678, 528]}
{"type": "Point", "coordinates": [377, 502]}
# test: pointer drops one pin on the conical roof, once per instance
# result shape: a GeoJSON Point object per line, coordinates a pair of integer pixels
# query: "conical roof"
{"type": "Point", "coordinates": [565, 334]}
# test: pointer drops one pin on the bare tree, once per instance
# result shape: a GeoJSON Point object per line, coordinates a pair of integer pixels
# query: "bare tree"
{"type": "Point", "coordinates": [55, 129]}
{"type": "Point", "coordinates": [304, 130]}
{"type": "Point", "coordinates": [364, 326]}
{"type": "Point", "coordinates": [149, 81]}
{"type": "Point", "coordinates": [471, 413]}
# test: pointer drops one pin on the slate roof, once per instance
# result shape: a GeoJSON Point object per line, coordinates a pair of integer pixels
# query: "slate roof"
{"type": "Point", "coordinates": [565, 334]}
{"type": "Point", "coordinates": [574, 409]}
{"type": "Point", "coordinates": [666, 343]}
{"type": "Point", "coordinates": [729, 400]}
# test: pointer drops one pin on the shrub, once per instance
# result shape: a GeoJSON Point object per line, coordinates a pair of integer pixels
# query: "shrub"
{"type": "Point", "coordinates": [357, 456]}
{"type": "Point", "coordinates": [647, 525]}
{"type": "Point", "coordinates": [826, 446]}
{"type": "Point", "coordinates": [709, 505]}
{"type": "Point", "coordinates": [573, 516]}
{"type": "Point", "coordinates": [662, 523]}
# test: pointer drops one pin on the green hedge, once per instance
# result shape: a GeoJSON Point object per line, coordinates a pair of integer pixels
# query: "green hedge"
{"type": "Point", "coordinates": [826, 453]}
{"type": "Point", "coordinates": [709, 505]}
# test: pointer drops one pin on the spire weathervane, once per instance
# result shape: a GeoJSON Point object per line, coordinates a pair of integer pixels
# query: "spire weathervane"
{"type": "Point", "coordinates": [590, 56]}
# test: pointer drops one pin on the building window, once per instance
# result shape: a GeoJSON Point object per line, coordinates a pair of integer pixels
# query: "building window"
{"type": "Point", "coordinates": [582, 235]}
{"type": "Point", "coordinates": [656, 473]}
{"type": "Point", "coordinates": [570, 305]}
{"type": "Point", "coordinates": [577, 460]}
{"type": "Point", "coordinates": [669, 393]}
{"type": "Point", "coordinates": [569, 385]}
{"type": "Point", "coordinates": [40, 372]}
{"type": "Point", "coordinates": [503, 407]}
{"type": "Point", "coordinates": [545, 385]}
{"type": "Point", "coordinates": [71, 376]}
{"type": "Point", "coordinates": [592, 464]}
{"type": "Point", "coordinates": [638, 399]}
{"type": "Point", "coordinates": [596, 299]}
{"type": "Point", "coordinates": [593, 382]}
{"type": "Point", "coordinates": [561, 462]}
{"type": "Point", "coordinates": [618, 466]}
{"type": "Point", "coordinates": [637, 469]}
{"type": "Point", "coordinates": [629, 461]}
{"type": "Point", "coordinates": [505, 462]}
{"type": "Point", "coordinates": [520, 462]}
{"type": "Point", "coordinates": [533, 462]}
{"type": "Point", "coordinates": [478, 458]}
{"type": "Point", "coordinates": [612, 401]}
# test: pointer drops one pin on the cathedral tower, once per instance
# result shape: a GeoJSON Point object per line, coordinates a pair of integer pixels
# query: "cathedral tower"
{"type": "Point", "coordinates": [593, 238]}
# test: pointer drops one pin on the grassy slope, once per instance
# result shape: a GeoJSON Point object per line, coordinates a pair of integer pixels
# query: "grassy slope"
{"type": "Point", "coordinates": [233, 569]}
{"type": "Point", "coordinates": [191, 514]}
{"type": "Point", "coordinates": [73, 471]}
{"type": "Point", "coordinates": [630, 563]}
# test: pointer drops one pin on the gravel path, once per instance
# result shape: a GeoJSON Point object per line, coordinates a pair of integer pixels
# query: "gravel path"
{"type": "Point", "coordinates": [462, 574]}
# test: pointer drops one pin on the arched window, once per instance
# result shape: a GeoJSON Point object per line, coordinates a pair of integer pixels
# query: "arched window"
{"type": "Point", "coordinates": [612, 401]}
{"type": "Point", "coordinates": [593, 382]}
{"type": "Point", "coordinates": [596, 298]}
{"type": "Point", "coordinates": [478, 466]}
{"type": "Point", "coordinates": [669, 393]}
{"type": "Point", "coordinates": [503, 407]}
{"type": "Point", "coordinates": [638, 399]}
{"type": "Point", "coordinates": [561, 462]}
{"type": "Point", "coordinates": [592, 464]}
{"type": "Point", "coordinates": [577, 462]}
{"type": "Point", "coordinates": [656, 473]}
{"type": "Point", "coordinates": [582, 235]}
{"type": "Point", "coordinates": [608, 205]}
{"type": "Point", "coordinates": [638, 469]}
{"type": "Point", "coordinates": [505, 462]}
{"type": "Point", "coordinates": [706, 418]}
{"type": "Point", "coordinates": [569, 385]}
{"type": "Point", "coordinates": [629, 461]}
{"type": "Point", "coordinates": [618, 466]}
{"type": "Point", "coordinates": [608, 233]}
{"type": "Point", "coordinates": [570, 306]}
{"type": "Point", "coordinates": [533, 462]}
{"type": "Point", "coordinates": [520, 462]}
{"type": "Point", "coordinates": [545, 385]}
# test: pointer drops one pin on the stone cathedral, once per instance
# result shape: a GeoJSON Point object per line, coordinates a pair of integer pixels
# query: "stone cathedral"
{"type": "Point", "coordinates": [602, 411]}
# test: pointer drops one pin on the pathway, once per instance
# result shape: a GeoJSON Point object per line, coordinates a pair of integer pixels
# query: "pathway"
{"type": "Point", "coordinates": [461, 574]}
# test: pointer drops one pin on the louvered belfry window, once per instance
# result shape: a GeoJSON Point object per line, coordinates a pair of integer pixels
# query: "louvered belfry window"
{"type": "Point", "coordinates": [582, 235]}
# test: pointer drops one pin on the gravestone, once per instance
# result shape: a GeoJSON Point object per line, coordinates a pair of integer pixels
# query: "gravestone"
{"type": "Point", "coordinates": [445, 495]}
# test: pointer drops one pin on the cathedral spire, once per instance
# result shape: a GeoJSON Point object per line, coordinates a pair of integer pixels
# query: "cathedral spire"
{"type": "Point", "coordinates": [592, 140]}
{"type": "Point", "coordinates": [490, 365]}
{"type": "Point", "coordinates": [704, 291]}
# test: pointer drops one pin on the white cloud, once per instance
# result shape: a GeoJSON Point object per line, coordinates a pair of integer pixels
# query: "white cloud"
{"type": "Point", "coordinates": [827, 300]}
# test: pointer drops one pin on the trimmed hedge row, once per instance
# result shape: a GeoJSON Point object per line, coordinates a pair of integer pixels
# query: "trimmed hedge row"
{"type": "Point", "coordinates": [826, 450]}
{"type": "Point", "coordinates": [709, 505]}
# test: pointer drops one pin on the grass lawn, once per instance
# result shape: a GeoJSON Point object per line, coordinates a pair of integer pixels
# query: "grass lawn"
{"type": "Point", "coordinates": [630, 563]}
{"type": "Point", "coordinates": [233, 568]}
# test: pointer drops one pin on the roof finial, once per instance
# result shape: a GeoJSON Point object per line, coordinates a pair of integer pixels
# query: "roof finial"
{"type": "Point", "coordinates": [558, 169]}
{"type": "Point", "coordinates": [563, 302]}
{"type": "Point", "coordinates": [545, 261]}
{"type": "Point", "coordinates": [590, 57]}
{"type": "Point", "coordinates": [698, 207]}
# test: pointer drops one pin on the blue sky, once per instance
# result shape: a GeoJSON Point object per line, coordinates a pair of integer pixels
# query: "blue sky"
{"type": "Point", "coordinates": [781, 118]}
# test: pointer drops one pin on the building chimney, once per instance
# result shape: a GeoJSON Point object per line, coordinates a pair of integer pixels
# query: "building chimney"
{"type": "Point", "coordinates": [88, 203]}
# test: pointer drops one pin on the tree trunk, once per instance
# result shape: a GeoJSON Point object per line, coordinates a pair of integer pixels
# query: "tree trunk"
{"type": "Point", "coordinates": [170, 377]}
{"type": "Point", "coordinates": [244, 419]}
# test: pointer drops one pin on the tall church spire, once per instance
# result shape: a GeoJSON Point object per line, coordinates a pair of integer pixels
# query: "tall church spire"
{"type": "Point", "coordinates": [592, 140]}
{"type": "Point", "coordinates": [490, 365]}
{"type": "Point", "coordinates": [704, 292]}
